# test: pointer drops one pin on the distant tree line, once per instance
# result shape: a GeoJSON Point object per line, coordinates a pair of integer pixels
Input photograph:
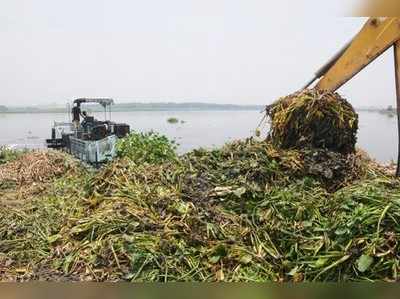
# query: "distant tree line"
{"type": "Point", "coordinates": [138, 107]}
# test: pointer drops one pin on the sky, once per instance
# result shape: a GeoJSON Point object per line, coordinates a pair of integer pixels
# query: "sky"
{"type": "Point", "coordinates": [222, 51]}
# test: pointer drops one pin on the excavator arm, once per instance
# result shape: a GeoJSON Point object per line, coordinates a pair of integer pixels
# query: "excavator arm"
{"type": "Point", "coordinates": [377, 36]}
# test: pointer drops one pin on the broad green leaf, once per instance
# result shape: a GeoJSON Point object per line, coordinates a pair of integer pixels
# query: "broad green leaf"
{"type": "Point", "coordinates": [364, 262]}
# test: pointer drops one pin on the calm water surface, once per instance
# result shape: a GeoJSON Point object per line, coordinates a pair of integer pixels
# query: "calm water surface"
{"type": "Point", "coordinates": [377, 134]}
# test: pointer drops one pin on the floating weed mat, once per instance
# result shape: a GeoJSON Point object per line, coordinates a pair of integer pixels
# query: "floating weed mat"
{"type": "Point", "coordinates": [245, 212]}
{"type": "Point", "coordinates": [315, 119]}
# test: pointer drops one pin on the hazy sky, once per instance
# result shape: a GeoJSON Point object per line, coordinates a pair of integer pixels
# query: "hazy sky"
{"type": "Point", "coordinates": [224, 51]}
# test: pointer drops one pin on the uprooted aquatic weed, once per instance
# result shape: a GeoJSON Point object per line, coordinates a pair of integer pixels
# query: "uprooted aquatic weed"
{"type": "Point", "coordinates": [245, 212]}
{"type": "Point", "coordinates": [313, 118]}
{"type": "Point", "coordinates": [299, 232]}
{"type": "Point", "coordinates": [8, 155]}
{"type": "Point", "coordinates": [30, 173]}
{"type": "Point", "coordinates": [149, 147]}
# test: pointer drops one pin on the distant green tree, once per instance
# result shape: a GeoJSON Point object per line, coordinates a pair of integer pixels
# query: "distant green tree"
{"type": "Point", "coordinates": [390, 108]}
{"type": "Point", "coordinates": [3, 108]}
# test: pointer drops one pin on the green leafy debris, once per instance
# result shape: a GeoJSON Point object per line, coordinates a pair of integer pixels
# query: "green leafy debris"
{"type": "Point", "coordinates": [149, 147]}
{"type": "Point", "coordinates": [245, 212]}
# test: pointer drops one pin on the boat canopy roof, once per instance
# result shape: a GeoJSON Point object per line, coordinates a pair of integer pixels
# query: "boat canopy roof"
{"type": "Point", "coordinates": [102, 101]}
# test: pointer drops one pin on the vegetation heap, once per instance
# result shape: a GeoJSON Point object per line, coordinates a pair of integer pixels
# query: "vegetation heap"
{"type": "Point", "coordinates": [248, 211]}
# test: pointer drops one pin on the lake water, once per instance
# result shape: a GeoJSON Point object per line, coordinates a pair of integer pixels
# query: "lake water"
{"type": "Point", "coordinates": [377, 134]}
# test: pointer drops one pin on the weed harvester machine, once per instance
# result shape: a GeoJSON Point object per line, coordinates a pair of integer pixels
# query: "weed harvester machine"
{"type": "Point", "coordinates": [378, 35]}
{"type": "Point", "coordinates": [89, 140]}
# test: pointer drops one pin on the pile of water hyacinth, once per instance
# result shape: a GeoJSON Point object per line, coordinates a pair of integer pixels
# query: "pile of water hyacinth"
{"type": "Point", "coordinates": [249, 211]}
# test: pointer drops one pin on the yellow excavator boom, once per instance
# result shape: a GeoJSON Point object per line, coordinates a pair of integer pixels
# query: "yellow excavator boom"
{"type": "Point", "coordinates": [377, 35]}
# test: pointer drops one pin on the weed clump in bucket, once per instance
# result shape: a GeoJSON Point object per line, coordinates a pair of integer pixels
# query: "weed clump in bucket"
{"type": "Point", "coordinates": [313, 119]}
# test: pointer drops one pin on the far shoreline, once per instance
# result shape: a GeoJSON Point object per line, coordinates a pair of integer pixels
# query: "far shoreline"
{"type": "Point", "coordinates": [140, 107]}
{"type": "Point", "coordinates": [255, 108]}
